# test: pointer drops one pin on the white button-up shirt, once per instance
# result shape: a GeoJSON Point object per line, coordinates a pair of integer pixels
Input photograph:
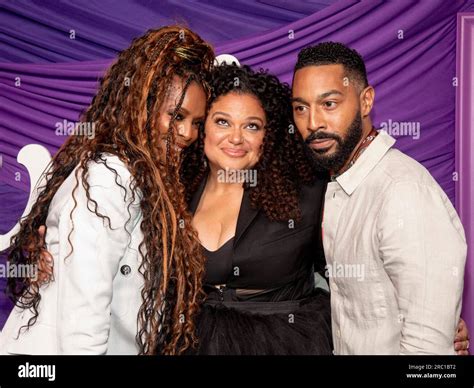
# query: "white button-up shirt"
{"type": "Point", "coordinates": [395, 250]}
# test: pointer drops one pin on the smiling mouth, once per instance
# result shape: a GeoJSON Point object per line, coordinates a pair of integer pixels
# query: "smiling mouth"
{"type": "Point", "coordinates": [234, 153]}
{"type": "Point", "coordinates": [322, 144]}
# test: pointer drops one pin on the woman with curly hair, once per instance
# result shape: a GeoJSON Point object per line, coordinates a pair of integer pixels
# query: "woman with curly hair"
{"type": "Point", "coordinates": [256, 206]}
{"type": "Point", "coordinates": [257, 210]}
{"type": "Point", "coordinates": [116, 216]}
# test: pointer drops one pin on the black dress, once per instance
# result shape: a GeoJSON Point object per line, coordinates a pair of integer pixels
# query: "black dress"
{"type": "Point", "coordinates": [287, 320]}
{"type": "Point", "coordinates": [269, 304]}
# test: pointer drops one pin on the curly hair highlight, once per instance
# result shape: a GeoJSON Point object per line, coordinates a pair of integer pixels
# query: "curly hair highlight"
{"type": "Point", "coordinates": [126, 116]}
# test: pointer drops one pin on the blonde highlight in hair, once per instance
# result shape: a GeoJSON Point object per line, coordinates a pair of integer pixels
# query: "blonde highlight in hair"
{"type": "Point", "coordinates": [126, 120]}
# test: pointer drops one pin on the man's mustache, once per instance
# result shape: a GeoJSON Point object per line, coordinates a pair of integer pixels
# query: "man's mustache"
{"type": "Point", "coordinates": [322, 135]}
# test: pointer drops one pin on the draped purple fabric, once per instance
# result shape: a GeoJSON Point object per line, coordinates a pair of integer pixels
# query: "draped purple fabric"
{"type": "Point", "coordinates": [39, 31]}
{"type": "Point", "coordinates": [409, 48]}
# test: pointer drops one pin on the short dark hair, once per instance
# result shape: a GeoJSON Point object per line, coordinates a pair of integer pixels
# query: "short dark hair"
{"type": "Point", "coordinates": [334, 53]}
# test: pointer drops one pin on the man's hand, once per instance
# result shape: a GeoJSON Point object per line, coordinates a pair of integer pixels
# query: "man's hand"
{"type": "Point", "coordinates": [461, 340]}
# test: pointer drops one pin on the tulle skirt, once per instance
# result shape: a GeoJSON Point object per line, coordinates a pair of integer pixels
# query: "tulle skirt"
{"type": "Point", "coordinates": [296, 327]}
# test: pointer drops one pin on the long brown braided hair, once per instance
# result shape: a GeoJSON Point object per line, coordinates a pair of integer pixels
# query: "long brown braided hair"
{"type": "Point", "coordinates": [125, 114]}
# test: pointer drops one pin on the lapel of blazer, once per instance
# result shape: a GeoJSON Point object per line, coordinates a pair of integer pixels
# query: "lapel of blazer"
{"type": "Point", "coordinates": [246, 215]}
{"type": "Point", "coordinates": [197, 196]}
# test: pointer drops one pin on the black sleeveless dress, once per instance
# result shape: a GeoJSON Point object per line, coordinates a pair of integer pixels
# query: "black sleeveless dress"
{"type": "Point", "coordinates": [294, 319]}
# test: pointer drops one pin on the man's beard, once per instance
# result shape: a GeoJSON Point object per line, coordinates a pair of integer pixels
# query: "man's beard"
{"type": "Point", "coordinates": [336, 160]}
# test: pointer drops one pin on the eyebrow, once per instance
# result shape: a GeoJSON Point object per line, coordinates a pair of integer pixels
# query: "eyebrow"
{"type": "Point", "coordinates": [298, 99]}
{"type": "Point", "coordinates": [255, 118]}
{"type": "Point", "coordinates": [327, 94]}
{"type": "Point", "coordinates": [228, 115]}
{"type": "Point", "coordinates": [182, 109]}
{"type": "Point", "coordinates": [220, 113]}
{"type": "Point", "coordinates": [320, 97]}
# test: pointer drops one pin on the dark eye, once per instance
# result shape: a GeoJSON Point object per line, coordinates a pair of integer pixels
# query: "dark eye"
{"type": "Point", "coordinates": [221, 122]}
{"type": "Point", "coordinates": [330, 104]}
{"type": "Point", "coordinates": [253, 126]}
{"type": "Point", "coordinates": [299, 108]}
{"type": "Point", "coordinates": [179, 116]}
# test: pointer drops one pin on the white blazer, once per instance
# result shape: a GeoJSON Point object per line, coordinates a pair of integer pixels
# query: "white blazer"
{"type": "Point", "coordinates": [91, 307]}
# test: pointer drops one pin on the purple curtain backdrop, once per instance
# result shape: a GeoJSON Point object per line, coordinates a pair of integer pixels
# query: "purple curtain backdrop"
{"type": "Point", "coordinates": [38, 30]}
{"type": "Point", "coordinates": [409, 48]}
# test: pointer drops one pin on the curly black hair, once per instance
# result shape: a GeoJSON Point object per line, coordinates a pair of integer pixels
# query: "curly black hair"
{"type": "Point", "coordinates": [284, 165]}
{"type": "Point", "coordinates": [335, 53]}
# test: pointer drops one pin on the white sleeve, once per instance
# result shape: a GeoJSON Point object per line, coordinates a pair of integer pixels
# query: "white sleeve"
{"type": "Point", "coordinates": [423, 248]}
{"type": "Point", "coordinates": [86, 276]}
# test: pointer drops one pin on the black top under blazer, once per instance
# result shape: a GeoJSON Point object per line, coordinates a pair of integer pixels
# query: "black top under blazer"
{"type": "Point", "coordinates": [276, 258]}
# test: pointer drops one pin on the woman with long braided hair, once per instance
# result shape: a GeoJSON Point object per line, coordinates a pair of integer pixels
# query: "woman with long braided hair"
{"type": "Point", "coordinates": [115, 215]}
